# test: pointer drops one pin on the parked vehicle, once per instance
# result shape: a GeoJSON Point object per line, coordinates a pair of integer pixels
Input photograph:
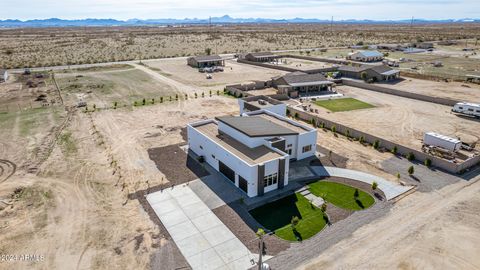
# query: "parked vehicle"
{"type": "Point", "coordinates": [471, 109]}
{"type": "Point", "coordinates": [441, 141]}
{"type": "Point", "coordinates": [209, 76]}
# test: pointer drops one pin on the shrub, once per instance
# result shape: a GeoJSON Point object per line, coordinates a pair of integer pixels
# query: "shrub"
{"type": "Point", "coordinates": [347, 133]}
{"type": "Point", "coordinates": [186, 96]}
{"type": "Point", "coordinates": [428, 162]}
{"type": "Point", "coordinates": [218, 92]}
{"type": "Point", "coordinates": [363, 76]}
{"type": "Point", "coordinates": [362, 139]}
{"type": "Point", "coordinates": [376, 144]}
{"type": "Point", "coordinates": [323, 207]}
{"type": "Point", "coordinates": [143, 101]}
{"type": "Point", "coordinates": [115, 105]}
{"type": "Point", "coordinates": [134, 103]}
{"type": "Point", "coordinates": [410, 156]}
{"type": "Point", "coordinates": [210, 92]}
{"type": "Point", "coordinates": [288, 112]}
{"type": "Point", "coordinates": [394, 150]}
{"type": "Point", "coordinates": [374, 185]}
{"type": "Point", "coordinates": [411, 170]}
{"type": "Point", "coordinates": [161, 99]}
{"type": "Point", "coordinates": [322, 125]}
{"type": "Point", "coordinates": [314, 124]}
{"type": "Point", "coordinates": [334, 129]}
{"type": "Point", "coordinates": [356, 193]}
{"type": "Point", "coordinates": [153, 101]}
{"type": "Point", "coordinates": [398, 176]}
{"type": "Point", "coordinates": [196, 95]}
{"type": "Point", "coordinates": [295, 220]}
{"type": "Point", "coordinates": [176, 96]}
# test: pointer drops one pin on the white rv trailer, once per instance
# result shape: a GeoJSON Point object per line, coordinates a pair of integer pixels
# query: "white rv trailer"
{"type": "Point", "coordinates": [442, 141]}
{"type": "Point", "coordinates": [466, 108]}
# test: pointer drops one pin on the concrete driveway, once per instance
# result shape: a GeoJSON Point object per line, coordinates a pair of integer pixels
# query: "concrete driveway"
{"type": "Point", "coordinates": [201, 237]}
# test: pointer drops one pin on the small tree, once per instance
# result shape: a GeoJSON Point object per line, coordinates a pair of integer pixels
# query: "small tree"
{"type": "Point", "coordinates": [153, 101]}
{"type": "Point", "coordinates": [411, 170]}
{"type": "Point", "coordinates": [363, 76]}
{"type": "Point", "coordinates": [362, 139]}
{"type": "Point", "coordinates": [398, 176]}
{"type": "Point", "coordinates": [218, 92]}
{"type": "Point", "coordinates": [210, 92]}
{"type": "Point", "coordinates": [314, 124]}
{"type": "Point", "coordinates": [161, 99]}
{"type": "Point", "coordinates": [196, 95]}
{"type": "Point", "coordinates": [294, 222]}
{"type": "Point", "coordinates": [394, 150]}
{"type": "Point", "coordinates": [176, 96]}
{"type": "Point", "coordinates": [356, 194]}
{"type": "Point", "coordinates": [94, 107]}
{"type": "Point", "coordinates": [203, 94]}
{"type": "Point", "coordinates": [376, 144]}
{"type": "Point", "coordinates": [296, 115]}
{"type": "Point", "coordinates": [428, 162]}
{"type": "Point", "coordinates": [323, 207]}
{"type": "Point", "coordinates": [186, 96]}
{"type": "Point", "coordinates": [347, 133]}
{"type": "Point", "coordinates": [288, 112]}
{"type": "Point", "coordinates": [208, 51]}
{"type": "Point", "coordinates": [115, 105]}
{"type": "Point", "coordinates": [410, 156]}
{"type": "Point", "coordinates": [143, 102]}
{"type": "Point", "coordinates": [170, 97]}
{"type": "Point", "coordinates": [334, 129]}
{"type": "Point", "coordinates": [374, 185]}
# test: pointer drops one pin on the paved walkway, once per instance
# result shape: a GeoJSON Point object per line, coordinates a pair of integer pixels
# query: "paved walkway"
{"type": "Point", "coordinates": [391, 190]}
{"type": "Point", "coordinates": [201, 237]}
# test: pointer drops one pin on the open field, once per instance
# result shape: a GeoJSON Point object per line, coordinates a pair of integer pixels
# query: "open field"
{"type": "Point", "coordinates": [103, 88]}
{"type": "Point", "coordinates": [61, 46]}
{"type": "Point", "coordinates": [277, 217]}
{"type": "Point", "coordinates": [402, 120]}
{"type": "Point", "coordinates": [452, 90]}
{"type": "Point", "coordinates": [233, 73]}
{"type": "Point", "coordinates": [343, 104]}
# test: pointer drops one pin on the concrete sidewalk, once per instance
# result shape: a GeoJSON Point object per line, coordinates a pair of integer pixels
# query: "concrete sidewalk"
{"type": "Point", "coordinates": [204, 241]}
{"type": "Point", "coordinates": [391, 190]}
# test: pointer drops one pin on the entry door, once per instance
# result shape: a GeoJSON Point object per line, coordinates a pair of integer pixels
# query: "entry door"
{"type": "Point", "coordinates": [225, 170]}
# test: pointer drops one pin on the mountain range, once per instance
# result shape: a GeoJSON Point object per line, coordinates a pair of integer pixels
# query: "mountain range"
{"type": "Point", "coordinates": [55, 22]}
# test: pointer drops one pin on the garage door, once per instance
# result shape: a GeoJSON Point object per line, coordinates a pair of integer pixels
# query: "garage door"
{"type": "Point", "coordinates": [243, 184]}
{"type": "Point", "coordinates": [225, 170]}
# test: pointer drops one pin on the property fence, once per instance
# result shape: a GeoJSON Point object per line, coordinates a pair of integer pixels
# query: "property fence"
{"type": "Point", "coordinates": [383, 143]}
{"type": "Point", "coordinates": [386, 90]}
{"type": "Point", "coordinates": [318, 59]}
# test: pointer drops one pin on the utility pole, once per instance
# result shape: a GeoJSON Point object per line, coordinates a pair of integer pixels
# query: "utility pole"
{"type": "Point", "coordinates": [331, 25]}
{"type": "Point", "coordinates": [411, 23]}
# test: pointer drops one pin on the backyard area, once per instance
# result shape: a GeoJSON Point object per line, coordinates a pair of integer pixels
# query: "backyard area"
{"type": "Point", "coordinates": [343, 104]}
{"type": "Point", "coordinates": [341, 195]}
{"type": "Point", "coordinates": [277, 216]}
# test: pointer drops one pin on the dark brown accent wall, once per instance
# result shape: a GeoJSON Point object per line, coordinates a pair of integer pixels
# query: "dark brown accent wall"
{"type": "Point", "coordinates": [260, 176]}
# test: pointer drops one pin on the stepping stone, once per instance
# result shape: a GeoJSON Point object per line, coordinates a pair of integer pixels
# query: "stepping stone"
{"type": "Point", "coordinates": [305, 192]}
{"type": "Point", "coordinates": [302, 189]}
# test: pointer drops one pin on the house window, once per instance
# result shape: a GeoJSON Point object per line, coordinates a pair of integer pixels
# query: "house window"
{"type": "Point", "coordinates": [213, 156]}
{"type": "Point", "coordinates": [306, 148]}
{"type": "Point", "coordinates": [201, 147]}
{"type": "Point", "coordinates": [289, 145]}
{"type": "Point", "coordinates": [270, 180]}
{"type": "Point", "coordinates": [470, 110]}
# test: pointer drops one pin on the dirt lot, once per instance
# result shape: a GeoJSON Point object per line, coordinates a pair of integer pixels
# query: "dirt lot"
{"type": "Point", "coordinates": [400, 119]}
{"type": "Point", "coordinates": [453, 90]}
{"type": "Point", "coordinates": [103, 87]}
{"type": "Point", "coordinates": [74, 212]}
{"type": "Point", "coordinates": [423, 231]}
{"type": "Point", "coordinates": [302, 64]}
{"type": "Point", "coordinates": [234, 73]}
{"type": "Point", "coordinates": [28, 91]}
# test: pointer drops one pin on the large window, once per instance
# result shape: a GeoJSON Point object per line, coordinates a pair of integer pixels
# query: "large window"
{"type": "Point", "coordinates": [270, 180]}
{"type": "Point", "coordinates": [306, 148]}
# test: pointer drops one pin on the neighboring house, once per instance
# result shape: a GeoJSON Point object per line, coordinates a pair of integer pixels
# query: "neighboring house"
{"type": "Point", "coordinates": [374, 72]}
{"type": "Point", "coordinates": [262, 57]}
{"type": "Point", "coordinates": [205, 61]}
{"type": "Point", "coordinates": [413, 50]}
{"type": "Point", "coordinates": [366, 56]}
{"type": "Point", "coordinates": [3, 75]}
{"type": "Point", "coordinates": [255, 103]}
{"type": "Point", "coordinates": [297, 83]}
{"type": "Point", "coordinates": [391, 47]}
{"type": "Point", "coordinates": [424, 45]}
{"type": "Point", "coordinates": [254, 150]}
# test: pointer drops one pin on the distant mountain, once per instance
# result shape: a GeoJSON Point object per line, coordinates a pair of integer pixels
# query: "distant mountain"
{"type": "Point", "coordinates": [55, 22]}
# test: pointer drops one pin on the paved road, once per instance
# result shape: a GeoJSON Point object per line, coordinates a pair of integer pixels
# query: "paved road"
{"type": "Point", "coordinates": [391, 190]}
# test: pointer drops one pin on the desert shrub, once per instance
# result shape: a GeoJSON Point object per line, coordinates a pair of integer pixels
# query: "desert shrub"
{"type": "Point", "coordinates": [334, 129]}
{"type": "Point", "coordinates": [374, 185]}
{"type": "Point", "coordinates": [410, 156]}
{"type": "Point", "coordinates": [376, 144]}
{"type": "Point", "coordinates": [394, 150]}
{"type": "Point", "coordinates": [411, 170]}
{"type": "Point", "coordinates": [296, 115]}
{"type": "Point", "coordinates": [428, 162]}
{"type": "Point", "coordinates": [143, 102]}
{"type": "Point", "coordinates": [361, 139]}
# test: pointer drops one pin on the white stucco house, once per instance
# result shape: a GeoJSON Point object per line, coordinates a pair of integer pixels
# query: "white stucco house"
{"type": "Point", "coordinates": [366, 56]}
{"type": "Point", "coordinates": [253, 150]}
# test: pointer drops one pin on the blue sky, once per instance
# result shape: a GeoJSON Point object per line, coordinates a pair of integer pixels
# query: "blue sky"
{"type": "Point", "coordinates": [320, 9]}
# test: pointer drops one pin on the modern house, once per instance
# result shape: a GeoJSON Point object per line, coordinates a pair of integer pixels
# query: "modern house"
{"type": "Point", "coordinates": [391, 47]}
{"type": "Point", "coordinates": [205, 61]}
{"type": "Point", "coordinates": [3, 75]}
{"type": "Point", "coordinates": [262, 57]}
{"type": "Point", "coordinates": [255, 103]}
{"type": "Point", "coordinates": [366, 56]}
{"type": "Point", "coordinates": [373, 72]}
{"type": "Point", "coordinates": [297, 83]}
{"type": "Point", "coordinates": [252, 151]}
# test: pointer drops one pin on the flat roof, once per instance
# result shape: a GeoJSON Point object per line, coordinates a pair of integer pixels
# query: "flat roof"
{"type": "Point", "coordinates": [257, 126]}
{"type": "Point", "coordinates": [297, 128]}
{"type": "Point", "coordinates": [252, 156]}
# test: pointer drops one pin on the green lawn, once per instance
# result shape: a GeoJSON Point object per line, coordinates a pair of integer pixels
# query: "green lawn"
{"type": "Point", "coordinates": [343, 104]}
{"type": "Point", "coordinates": [341, 195]}
{"type": "Point", "coordinates": [276, 216]}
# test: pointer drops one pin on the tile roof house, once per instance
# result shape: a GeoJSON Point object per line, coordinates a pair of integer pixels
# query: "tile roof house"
{"type": "Point", "coordinates": [374, 72]}
{"type": "Point", "coordinates": [205, 61]}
